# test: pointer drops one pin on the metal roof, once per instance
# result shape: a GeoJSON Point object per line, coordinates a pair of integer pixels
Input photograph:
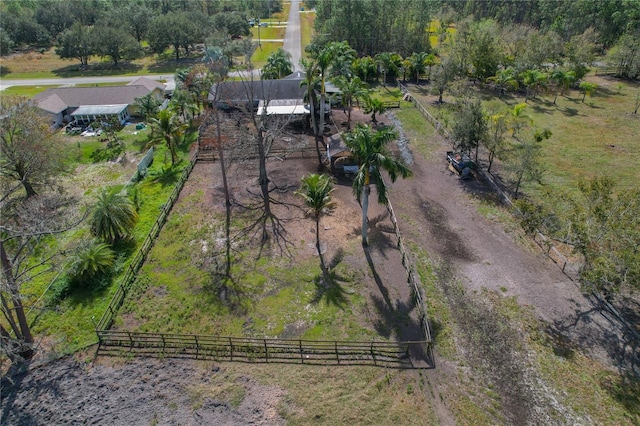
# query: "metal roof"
{"type": "Point", "coordinates": [99, 109]}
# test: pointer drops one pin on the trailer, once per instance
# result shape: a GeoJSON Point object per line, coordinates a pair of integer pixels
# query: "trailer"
{"type": "Point", "coordinates": [462, 164]}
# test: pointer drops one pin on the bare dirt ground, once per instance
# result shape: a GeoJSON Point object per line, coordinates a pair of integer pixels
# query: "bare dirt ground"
{"type": "Point", "coordinates": [437, 212]}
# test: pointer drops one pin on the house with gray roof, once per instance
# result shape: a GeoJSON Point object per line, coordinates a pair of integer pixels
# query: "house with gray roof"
{"type": "Point", "coordinates": [88, 104]}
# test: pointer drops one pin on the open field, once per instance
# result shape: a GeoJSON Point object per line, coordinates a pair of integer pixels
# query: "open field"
{"type": "Point", "coordinates": [597, 137]}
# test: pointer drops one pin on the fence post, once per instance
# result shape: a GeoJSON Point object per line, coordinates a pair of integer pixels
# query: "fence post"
{"type": "Point", "coordinates": [373, 355]}
{"type": "Point", "coordinates": [266, 352]}
{"type": "Point", "coordinates": [301, 356]}
{"type": "Point", "coordinates": [130, 340]}
{"type": "Point", "coordinates": [337, 356]}
{"type": "Point", "coordinates": [230, 349]}
{"type": "Point", "coordinates": [197, 345]}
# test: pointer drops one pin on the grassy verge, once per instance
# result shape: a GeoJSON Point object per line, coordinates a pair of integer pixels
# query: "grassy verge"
{"type": "Point", "coordinates": [268, 33]}
{"type": "Point", "coordinates": [307, 20]}
{"type": "Point", "coordinates": [34, 65]}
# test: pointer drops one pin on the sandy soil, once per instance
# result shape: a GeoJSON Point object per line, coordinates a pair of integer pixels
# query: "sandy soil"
{"type": "Point", "coordinates": [468, 248]}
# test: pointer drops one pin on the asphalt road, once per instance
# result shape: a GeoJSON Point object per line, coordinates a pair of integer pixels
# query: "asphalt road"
{"type": "Point", "coordinates": [292, 43]}
{"type": "Point", "coordinates": [4, 83]}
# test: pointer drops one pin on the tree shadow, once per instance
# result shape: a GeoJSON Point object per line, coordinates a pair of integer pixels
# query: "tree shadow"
{"type": "Point", "coordinates": [166, 176]}
{"type": "Point", "coordinates": [4, 70]}
{"type": "Point", "coordinates": [97, 70]}
{"type": "Point", "coordinates": [11, 384]}
{"type": "Point", "coordinates": [394, 318]}
{"type": "Point", "coordinates": [328, 285]}
{"type": "Point", "coordinates": [569, 112]}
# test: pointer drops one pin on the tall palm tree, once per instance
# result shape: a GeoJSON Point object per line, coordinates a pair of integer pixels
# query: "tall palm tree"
{"type": "Point", "coordinates": [316, 191]}
{"type": "Point", "coordinates": [369, 150]}
{"type": "Point", "coordinates": [114, 216]}
{"type": "Point", "coordinates": [167, 128]}
{"type": "Point", "coordinates": [351, 89]}
{"type": "Point", "coordinates": [312, 82]}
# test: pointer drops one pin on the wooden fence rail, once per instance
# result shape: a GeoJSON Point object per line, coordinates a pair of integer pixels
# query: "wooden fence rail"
{"type": "Point", "coordinates": [378, 353]}
{"type": "Point", "coordinates": [136, 263]}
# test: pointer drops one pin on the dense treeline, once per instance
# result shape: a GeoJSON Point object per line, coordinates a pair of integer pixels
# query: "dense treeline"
{"type": "Point", "coordinates": [374, 26]}
{"type": "Point", "coordinates": [111, 28]}
{"type": "Point", "coordinates": [489, 36]}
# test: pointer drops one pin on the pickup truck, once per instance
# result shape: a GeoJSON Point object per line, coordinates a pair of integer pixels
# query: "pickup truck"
{"type": "Point", "coordinates": [461, 163]}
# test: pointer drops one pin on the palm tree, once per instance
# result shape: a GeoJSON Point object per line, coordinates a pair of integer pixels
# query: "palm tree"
{"type": "Point", "coordinates": [505, 79]}
{"type": "Point", "coordinates": [316, 191]}
{"type": "Point", "coordinates": [417, 63]}
{"type": "Point", "coordinates": [147, 105]}
{"type": "Point", "coordinates": [278, 65]}
{"type": "Point", "coordinates": [365, 67]}
{"type": "Point", "coordinates": [562, 80]}
{"type": "Point", "coordinates": [533, 80]}
{"type": "Point", "coordinates": [312, 82]}
{"type": "Point", "coordinates": [368, 149]}
{"type": "Point", "coordinates": [92, 259]}
{"type": "Point", "coordinates": [351, 89]}
{"type": "Point", "coordinates": [374, 106]}
{"type": "Point", "coordinates": [587, 89]}
{"type": "Point", "coordinates": [114, 216]}
{"type": "Point", "coordinates": [166, 128]}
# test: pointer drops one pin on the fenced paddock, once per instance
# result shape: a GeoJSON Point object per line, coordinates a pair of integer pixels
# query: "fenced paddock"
{"type": "Point", "coordinates": [407, 354]}
{"type": "Point", "coordinates": [312, 352]}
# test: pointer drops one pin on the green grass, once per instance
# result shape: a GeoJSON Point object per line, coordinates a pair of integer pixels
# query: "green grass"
{"type": "Point", "coordinates": [28, 91]}
{"type": "Point", "coordinates": [306, 28]}
{"type": "Point", "coordinates": [259, 58]}
{"type": "Point", "coordinates": [174, 293]}
{"type": "Point", "coordinates": [68, 325]}
{"type": "Point", "coordinates": [594, 138]}
{"type": "Point", "coordinates": [34, 65]}
{"type": "Point", "coordinates": [268, 33]}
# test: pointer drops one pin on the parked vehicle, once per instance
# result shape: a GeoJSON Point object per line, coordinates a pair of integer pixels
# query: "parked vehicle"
{"type": "Point", "coordinates": [461, 163]}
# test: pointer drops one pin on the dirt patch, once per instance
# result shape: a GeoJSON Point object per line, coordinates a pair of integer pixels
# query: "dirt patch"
{"type": "Point", "coordinates": [139, 391]}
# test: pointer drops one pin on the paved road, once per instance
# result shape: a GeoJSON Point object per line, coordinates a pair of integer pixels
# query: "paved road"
{"type": "Point", "coordinates": [292, 42]}
{"type": "Point", "coordinates": [4, 83]}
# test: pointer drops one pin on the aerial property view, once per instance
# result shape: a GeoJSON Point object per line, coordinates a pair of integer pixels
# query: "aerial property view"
{"type": "Point", "coordinates": [411, 212]}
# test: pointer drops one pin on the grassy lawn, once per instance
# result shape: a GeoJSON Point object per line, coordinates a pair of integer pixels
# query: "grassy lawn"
{"type": "Point", "coordinates": [597, 137]}
{"type": "Point", "coordinates": [67, 324]}
{"type": "Point", "coordinates": [28, 91]}
{"type": "Point", "coordinates": [268, 33]}
{"type": "Point", "coordinates": [259, 58]}
{"type": "Point", "coordinates": [48, 65]}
